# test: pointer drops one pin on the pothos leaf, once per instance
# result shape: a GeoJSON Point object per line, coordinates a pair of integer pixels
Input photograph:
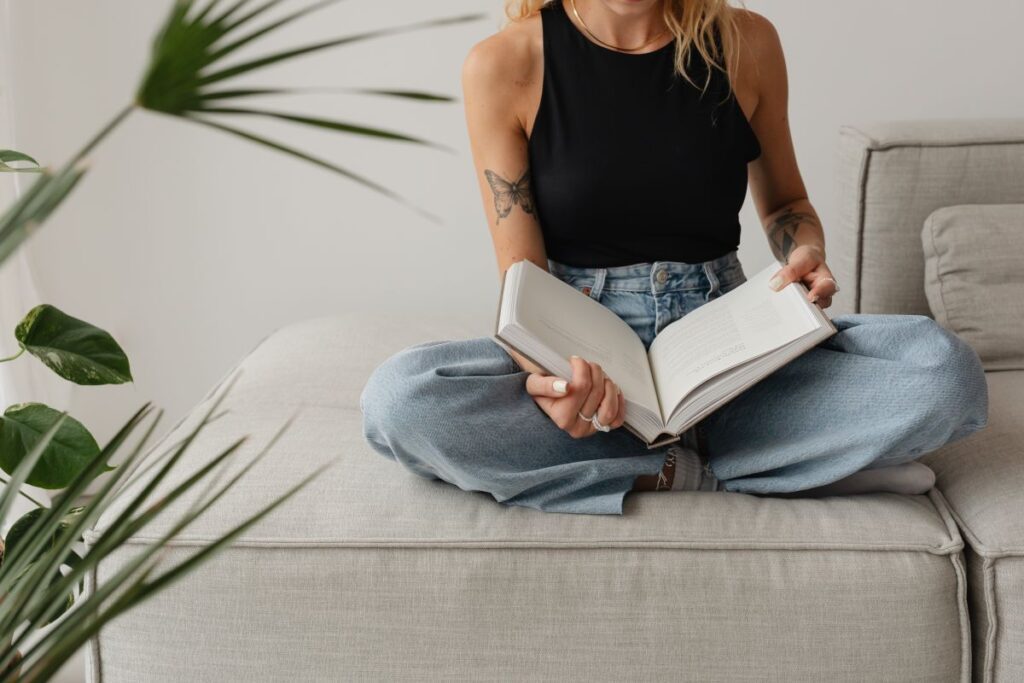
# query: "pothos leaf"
{"type": "Point", "coordinates": [67, 454]}
{"type": "Point", "coordinates": [72, 348]}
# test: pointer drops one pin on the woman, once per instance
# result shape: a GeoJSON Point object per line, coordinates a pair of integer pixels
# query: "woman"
{"type": "Point", "coordinates": [614, 141]}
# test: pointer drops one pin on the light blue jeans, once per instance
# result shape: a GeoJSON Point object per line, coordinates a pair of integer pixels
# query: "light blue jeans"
{"type": "Point", "coordinates": [884, 390]}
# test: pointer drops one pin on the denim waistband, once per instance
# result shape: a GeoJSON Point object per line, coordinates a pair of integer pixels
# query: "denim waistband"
{"type": "Point", "coordinates": [655, 276]}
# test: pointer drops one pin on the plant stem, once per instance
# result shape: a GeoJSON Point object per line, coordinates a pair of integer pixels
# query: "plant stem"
{"type": "Point", "coordinates": [6, 481]}
{"type": "Point", "coordinates": [10, 358]}
{"type": "Point", "coordinates": [102, 134]}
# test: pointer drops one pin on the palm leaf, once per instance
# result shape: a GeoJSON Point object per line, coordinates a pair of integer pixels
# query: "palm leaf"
{"type": "Point", "coordinates": [314, 160]}
{"type": "Point", "coordinates": [187, 60]}
{"type": "Point", "coordinates": [34, 206]}
{"type": "Point", "coordinates": [420, 95]}
{"type": "Point", "coordinates": [324, 123]}
{"type": "Point", "coordinates": [47, 656]}
{"type": "Point", "coordinates": [37, 602]}
{"type": "Point", "coordinates": [14, 578]}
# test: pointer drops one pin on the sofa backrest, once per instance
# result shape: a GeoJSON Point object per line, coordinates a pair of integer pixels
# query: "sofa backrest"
{"type": "Point", "coordinates": [891, 176]}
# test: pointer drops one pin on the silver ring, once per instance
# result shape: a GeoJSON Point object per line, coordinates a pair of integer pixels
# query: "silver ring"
{"type": "Point", "coordinates": [594, 421]}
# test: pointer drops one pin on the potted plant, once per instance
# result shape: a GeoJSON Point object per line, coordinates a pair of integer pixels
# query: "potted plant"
{"type": "Point", "coordinates": [43, 563]}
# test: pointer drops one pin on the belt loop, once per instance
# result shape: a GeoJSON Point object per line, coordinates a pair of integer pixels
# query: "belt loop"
{"type": "Point", "coordinates": [598, 286]}
{"type": "Point", "coordinates": [712, 278]}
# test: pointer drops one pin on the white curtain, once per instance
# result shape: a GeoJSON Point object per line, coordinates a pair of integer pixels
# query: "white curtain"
{"type": "Point", "coordinates": [25, 378]}
{"type": "Point", "coordinates": [19, 381]}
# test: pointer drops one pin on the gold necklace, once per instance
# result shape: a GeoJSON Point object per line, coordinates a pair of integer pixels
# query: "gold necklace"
{"type": "Point", "coordinates": [608, 45]}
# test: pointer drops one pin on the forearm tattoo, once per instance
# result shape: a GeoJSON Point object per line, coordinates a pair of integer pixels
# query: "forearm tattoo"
{"type": "Point", "coordinates": [782, 232]}
{"type": "Point", "coordinates": [508, 193]}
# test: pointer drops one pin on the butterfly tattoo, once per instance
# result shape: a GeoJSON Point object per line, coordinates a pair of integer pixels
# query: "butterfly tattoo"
{"type": "Point", "coordinates": [507, 194]}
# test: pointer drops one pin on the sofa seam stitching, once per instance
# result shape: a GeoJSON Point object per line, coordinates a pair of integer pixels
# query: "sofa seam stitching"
{"type": "Point", "coordinates": [988, 582]}
{"type": "Point", "coordinates": [877, 146]}
{"type": "Point", "coordinates": [982, 549]}
{"type": "Point", "coordinates": [861, 216]}
{"type": "Point", "coordinates": [966, 654]}
{"type": "Point", "coordinates": [418, 544]}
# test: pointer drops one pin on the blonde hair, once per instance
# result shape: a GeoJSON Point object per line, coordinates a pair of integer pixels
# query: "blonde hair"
{"type": "Point", "coordinates": [694, 23]}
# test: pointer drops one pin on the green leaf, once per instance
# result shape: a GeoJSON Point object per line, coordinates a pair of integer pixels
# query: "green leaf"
{"type": "Point", "coordinates": [20, 592]}
{"type": "Point", "coordinates": [322, 123]}
{"type": "Point", "coordinates": [21, 529]}
{"type": "Point", "coordinates": [36, 204]}
{"type": "Point", "coordinates": [287, 55]}
{"type": "Point", "coordinates": [314, 160]}
{"type": "Point", "coordinates": [72, 348]}
{"type": "Point", "coordinates": [7, 155]}
{"type": "Point", "coordinates": [421, 95]}
{"type": "Point", "coordinates": [37, 597]}
{"type": "Point", "coordinates": [68, 453]}
{"type": "Point", "coordinates": [10, 491]}
{"type": "Point", "coordinates": [188, 70]}
{"type": "Point", "coordinates": [407, 94]}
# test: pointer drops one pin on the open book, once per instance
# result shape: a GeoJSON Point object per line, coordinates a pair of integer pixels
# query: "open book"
{"type": "Point", "coordinates": [693, 366]}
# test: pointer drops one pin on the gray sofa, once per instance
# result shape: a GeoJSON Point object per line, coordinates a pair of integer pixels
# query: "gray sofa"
{"type": "Point", "coordinates": [900, 184]}
{"type": "Point", "coordinates": [376, 574]}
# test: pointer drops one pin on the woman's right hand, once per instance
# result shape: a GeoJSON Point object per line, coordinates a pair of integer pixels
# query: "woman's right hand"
{"type": "Point", "coordinates": [587, 392]}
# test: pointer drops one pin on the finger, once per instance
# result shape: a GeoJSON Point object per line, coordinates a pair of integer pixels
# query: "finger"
{"type": "Point", "coordinates": [609, 408]}
{"type": "Point", "coordinates": [782, 277]}
{"type": "Point", "coordinates": [801, 262]}
{"type": "Point", "coordinates": [584, 428]}
{"type": "Point", "coordinates": [822, 288]}
{"type": "Point", "coordinates": [825, 302]}
{"type": "Point", "coordinates": [596, 395]}
{"type": "Point", "coordinates": [577, 427]}
{"type": "Point", "coordinates": [579, 384]}
{"type": "Point", "coordinates": [620, 419]}
{"type": "Point", "coordinates": [552, 386]}
{"type": "Point", "coordinates": [579, 390]}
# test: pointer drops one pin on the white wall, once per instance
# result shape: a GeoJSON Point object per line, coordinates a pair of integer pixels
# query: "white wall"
{"type": "Point", "coordinates": [190, 246]}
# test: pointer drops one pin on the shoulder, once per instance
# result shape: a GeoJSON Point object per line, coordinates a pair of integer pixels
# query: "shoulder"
{"type": "Point", "coordinates": [501, 71]}
{"type": "Point", "coordinates": [506, 55]}
{"type": "Point", "coordinates": [760, 49]}
{"type": "Point", "coordinates": [758, 33]}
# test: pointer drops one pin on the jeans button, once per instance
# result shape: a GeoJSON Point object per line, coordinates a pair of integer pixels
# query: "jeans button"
{"type": "Point", "coordinates": [661, 276]}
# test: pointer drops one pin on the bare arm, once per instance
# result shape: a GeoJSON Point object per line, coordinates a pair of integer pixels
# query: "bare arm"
{"type": "Point", "coordinates": [778, 190]}
{"type": "Point", "coordinates": [498, 143]}
{"type": "Point", "coordinates": [493, 77]}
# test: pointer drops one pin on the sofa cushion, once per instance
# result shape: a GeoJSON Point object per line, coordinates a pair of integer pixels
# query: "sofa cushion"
{"type": "Point", "coordinates": [890, 175]}
{"type": "Point", "coordinates": [974, 278]}
{"type": "Point", "coordinates": [376, 573]}
{"type": "Point", "coordinates": [982, 478]}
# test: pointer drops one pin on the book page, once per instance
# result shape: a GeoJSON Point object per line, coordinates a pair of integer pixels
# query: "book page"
{"type": "Point", "coordinates": [747, 322]}
{"type": "Point", "coordinates": [562, 321]}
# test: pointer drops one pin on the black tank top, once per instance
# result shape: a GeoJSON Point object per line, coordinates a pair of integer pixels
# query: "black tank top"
{"type": "Point", "coordinates": [629, 163]}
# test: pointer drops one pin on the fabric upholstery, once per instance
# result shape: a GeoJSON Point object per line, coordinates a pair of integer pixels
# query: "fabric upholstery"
{"type": "Point", "coordinates": [890, 177]}
{"type": "Point", "coordinates": [373, 573]}
{"type": "Point", "coordinates": [974, 278]}
{"type": "Point", "coordinates": [982, 477]}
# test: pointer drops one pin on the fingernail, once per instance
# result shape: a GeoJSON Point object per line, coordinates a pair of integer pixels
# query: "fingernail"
{"type": "Point", "coordinates": [573, 356]}
{"type": "Point", "coordinates": [814, 298]}
{"type": "Point", "coordinates": [775, 282]}
{"type": "Point", "coordinates": [560, 385]}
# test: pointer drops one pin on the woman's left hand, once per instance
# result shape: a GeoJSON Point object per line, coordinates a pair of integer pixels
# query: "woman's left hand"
{"type": "Point", "coordinates": [807, 265]}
